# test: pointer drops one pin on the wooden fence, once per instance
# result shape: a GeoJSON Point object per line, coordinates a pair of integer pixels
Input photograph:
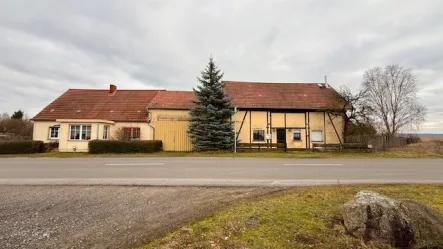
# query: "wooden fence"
{"type": "Point", "coordinates": [379, 142]}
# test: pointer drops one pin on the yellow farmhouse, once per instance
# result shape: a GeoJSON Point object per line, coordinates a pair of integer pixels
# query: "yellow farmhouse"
{"type": "Point", "coordinates": [294, 115]}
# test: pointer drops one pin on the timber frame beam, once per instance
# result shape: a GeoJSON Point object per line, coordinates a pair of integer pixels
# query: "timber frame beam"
{"type": "Point", "coordinates": [241, 126]}
{"type": "Point", "coordinates": [338, 136]}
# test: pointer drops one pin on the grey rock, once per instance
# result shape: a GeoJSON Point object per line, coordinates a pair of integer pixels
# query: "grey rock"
{"type": "Point", "coordinates": [400, 223]}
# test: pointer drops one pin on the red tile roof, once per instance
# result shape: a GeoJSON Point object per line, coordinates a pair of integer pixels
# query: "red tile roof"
{"type": "Point", "coordinates": [130, 105]}
{"type": "Point", "coordinates": [281, 95]}
{"type": "Point", "coordinates": [123, 105]}
{"type": "Point", "coordinates": [173, 100]}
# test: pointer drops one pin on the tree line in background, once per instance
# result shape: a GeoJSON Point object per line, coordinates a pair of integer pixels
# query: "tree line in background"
{"type": "Point", "coordinates": [15, 127]}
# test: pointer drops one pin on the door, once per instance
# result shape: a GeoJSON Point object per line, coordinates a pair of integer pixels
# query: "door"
{"type": "Point", "coordinates": [281, 136]}
{"type": "Point", "coordinates": [174, 135]}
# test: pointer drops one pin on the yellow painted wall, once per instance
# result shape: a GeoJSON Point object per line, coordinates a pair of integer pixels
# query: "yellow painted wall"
{"type": "Point", "coordinates": [331, 136]}
{"type": "Point", "coordinates": [169, 115]}
{"type": "Point", "coordinates": [66, 144]}
{"type": "Point", "coordinates": [258, 122]}
{"type": "Point", "coordinates": [145, 130]}
{"type": "Point", "coordinates": [171, 127]}
{"type": "Point", "coordinates": [41, 131]}
{"type": "Point", "coordinates": [293, 121]}
{"type": "Point", "coordinates": [174, 135]}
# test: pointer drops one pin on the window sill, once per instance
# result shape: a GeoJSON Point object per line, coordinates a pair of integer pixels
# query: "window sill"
{"type": "Point", "coordinates": [53, 138]}
{"type": "Point", "coordinates": [296, 141]}
{"type": "Point", "coordinates": [73, 140]}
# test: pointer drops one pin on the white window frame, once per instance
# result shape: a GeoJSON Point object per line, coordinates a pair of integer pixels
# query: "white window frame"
{"type": "Point", "coordinates": [313, 137]}
{"type": "Point", "coordinates": [106, 132]}
{"type": "Point", "coordinates": [82, 126]}
{"type": "Point", "coordinates": [50, 132]}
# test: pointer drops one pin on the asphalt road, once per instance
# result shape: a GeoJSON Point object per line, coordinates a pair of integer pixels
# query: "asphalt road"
{"type": "Point", "coordinates": [217, 171]}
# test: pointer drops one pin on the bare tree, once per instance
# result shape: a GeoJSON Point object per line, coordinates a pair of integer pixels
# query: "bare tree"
{"type": "Point", "coordinates": [355, 112]}
{"type": "Point", "coordinates": [392, 95]}
{"type": "Point", "coordinates": [4, 115]}
{"type": "Point", "coordinates": [127, 133]}
{"type": "Point", "coordinates": [119, 134]}
{"type": "Point", "coordinates": [16, 128]}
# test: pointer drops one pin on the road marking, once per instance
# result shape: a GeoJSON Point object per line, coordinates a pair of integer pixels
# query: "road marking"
{"type": "Point", "coordinates": [133, 164]}
{"type": "Point", "coordinates": [313, 164]}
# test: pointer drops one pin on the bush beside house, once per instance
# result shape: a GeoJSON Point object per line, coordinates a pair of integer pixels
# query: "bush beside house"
{"type": "Point", "coordinates": [121, 146]}
{"type": "Point", "coordinates": [21, 147]}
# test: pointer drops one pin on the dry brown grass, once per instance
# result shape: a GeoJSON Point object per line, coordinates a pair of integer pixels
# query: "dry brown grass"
{"type": "Point", "coordinates": [431, 139]}
{"type": "Point", "coordinates": [429, 146]}
{"type": "Point", "coordinates": [299, 218]}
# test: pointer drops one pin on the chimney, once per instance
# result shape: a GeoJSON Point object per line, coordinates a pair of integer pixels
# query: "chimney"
{"type": "Point", "coordinates": [112, 89]}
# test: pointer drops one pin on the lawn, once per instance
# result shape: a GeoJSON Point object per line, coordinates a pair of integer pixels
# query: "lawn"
{"type": "Point", "coordinates": [298, 218]}
{"type": "Point", "coordinates": [428, 149]}
{"type": "Point", "coordinates": [265, 154]}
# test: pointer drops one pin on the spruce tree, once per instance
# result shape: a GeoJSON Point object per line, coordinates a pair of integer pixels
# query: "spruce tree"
{"type": "Point", "coordinates": [210, 126]}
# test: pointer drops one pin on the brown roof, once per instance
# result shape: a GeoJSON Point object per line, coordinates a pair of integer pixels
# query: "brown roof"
{"type": "Point", "coordinates": [130, 105]}
{"type": "Point", "coordinates": [123, 105]}
{"type": "Point", "coordinates": [173, 100]}
{"type": "Point", "coordinates": [281, 95]}
{"type": "Point", "coordinates": [259, 95]}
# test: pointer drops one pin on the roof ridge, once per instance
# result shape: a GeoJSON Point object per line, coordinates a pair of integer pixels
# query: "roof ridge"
{"type": "Point", "coordinates": [261, 82]}
{"type": "Point", "coordinates": [86, 89]}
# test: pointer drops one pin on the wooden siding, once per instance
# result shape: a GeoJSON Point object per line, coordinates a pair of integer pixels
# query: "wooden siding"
{"type": "Point", "coordinates": [174, 135]}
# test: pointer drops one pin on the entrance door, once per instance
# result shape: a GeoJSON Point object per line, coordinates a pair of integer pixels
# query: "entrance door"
{"type": "Point", "coordinates": [281, 136]}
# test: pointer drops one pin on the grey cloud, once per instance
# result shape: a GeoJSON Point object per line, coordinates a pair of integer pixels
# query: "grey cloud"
{"type": "Point", "coordinates": [48, 46]}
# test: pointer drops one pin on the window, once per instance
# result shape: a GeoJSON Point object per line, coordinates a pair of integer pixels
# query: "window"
{"type": "Point", "coordinates": [297, 135]}
{"type": "Point", "coordinates": [317, 136]}
{"type": "Point", "coordinates": [80, 132]}
{"type": "Point", "coordinates": [258, 135]}
{"type": "Point", "coordinates": [131, 133]}
{"type": "Point", "coordinates": [53, 132]}
{"type": "Point", "coordinates": [106, 130]}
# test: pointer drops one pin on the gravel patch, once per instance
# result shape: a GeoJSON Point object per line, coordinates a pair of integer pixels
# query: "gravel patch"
{"type": "Point", "coordinates": [104, 216]}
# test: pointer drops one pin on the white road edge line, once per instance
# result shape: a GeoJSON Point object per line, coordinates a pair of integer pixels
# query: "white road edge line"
{"type": "Point", "coordinates": [313, 164]}
{"type": "Point", "coordinates": [133, 164]}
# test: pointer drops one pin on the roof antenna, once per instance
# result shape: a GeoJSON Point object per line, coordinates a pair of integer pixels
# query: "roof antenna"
{"type": "Point", "coordinates": [326, 79]}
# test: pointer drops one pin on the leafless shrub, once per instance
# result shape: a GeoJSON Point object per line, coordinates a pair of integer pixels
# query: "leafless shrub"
{"type": "Point", "coordinates": [127, 133]}
{"type": "Point", "coordinates": [15, 129]}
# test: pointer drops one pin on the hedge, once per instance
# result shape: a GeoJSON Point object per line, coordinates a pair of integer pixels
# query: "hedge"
{"type": "Point", "coordinates": [21, 147]}
{"type": "Point", "coordinates": [123, 146]}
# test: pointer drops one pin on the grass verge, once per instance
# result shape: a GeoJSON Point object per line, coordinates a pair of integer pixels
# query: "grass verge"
{"type": "Point", "coordinates": [265, 154]}
{"type": "Point", "coordinates": [300, 218]}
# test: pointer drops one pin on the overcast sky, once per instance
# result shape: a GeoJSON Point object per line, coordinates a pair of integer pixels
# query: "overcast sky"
{"type": "Point", "coordinates": [47, 46]}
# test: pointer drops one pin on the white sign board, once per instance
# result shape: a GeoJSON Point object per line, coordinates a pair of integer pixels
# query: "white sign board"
{"type": "Point", "coordinates": [268, 136]}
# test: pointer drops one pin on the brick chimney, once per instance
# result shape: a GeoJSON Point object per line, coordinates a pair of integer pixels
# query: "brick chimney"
{"type": "Point", "coordinates": [112, 89]}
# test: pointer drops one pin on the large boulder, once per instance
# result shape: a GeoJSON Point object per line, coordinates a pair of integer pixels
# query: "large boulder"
{"type": "Point", "coordinates": [400, 223]}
